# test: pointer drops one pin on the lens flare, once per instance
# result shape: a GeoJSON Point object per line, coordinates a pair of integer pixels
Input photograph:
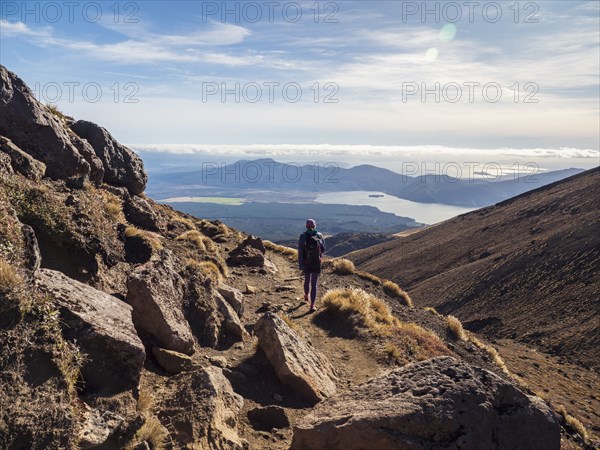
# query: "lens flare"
{"type": "Point", "coordinates": [448, 32]}
{"type": "Point", "coordinates": [431, 54]}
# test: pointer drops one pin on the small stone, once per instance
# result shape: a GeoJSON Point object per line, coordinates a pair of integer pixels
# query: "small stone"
{"type": "Point", "coordinates": [250, 289]}
{"type": "Point", "coordinates": [219, 361]}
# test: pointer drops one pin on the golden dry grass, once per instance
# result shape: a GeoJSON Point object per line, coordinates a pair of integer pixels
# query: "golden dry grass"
{"type": "Point", "coordinates": [456, 329]}
{"type": "Point", "coordinates": [573, 424]}
{"type": "Point", "coordinates": [491, 351]}
{"type": "Point", "coordinates": [10, 279]}
{"type": "Point", "coordinates": [342, 266]}
{"type": "Point", "coordinates": [224, 229]}
{"type": "Point", "coordinates": [54, 110]}
{"type": "Point", "coordinates": [287, 251]}
{"type": "Point", "coordinates": [359, 306]}
{"type": "Point", "coordinates": [405, 342]}
{"type": "Point", "coordinates": [113, 206]}
{"type": "Point", "coordinates": [291, 323]}
{"type": "Point", "coordinates": [152, 238]}
{"type": "Point", "coordinates": [152, 431]}
{"type": "Point", "coordinates": [432, 311]}
{"type": "Point", "coordinates": [394, 291]}
{"type": "Point", "coordinates": [202, 242]}
{"type": "Point", "coordinates": [368, 276]}
{"type": "Point", "coordinates": [418, 343]}
{"type": "Point", "coordinates": [208, 269]}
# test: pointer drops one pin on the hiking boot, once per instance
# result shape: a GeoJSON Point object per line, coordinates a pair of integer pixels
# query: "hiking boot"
{"type": "Point", "coordinates": [313, 308]}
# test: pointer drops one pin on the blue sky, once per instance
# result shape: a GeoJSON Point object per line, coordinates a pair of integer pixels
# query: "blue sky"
{"type": "Point", "coordinates": [166, 54]}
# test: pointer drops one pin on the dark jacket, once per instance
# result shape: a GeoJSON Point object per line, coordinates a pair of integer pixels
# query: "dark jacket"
{"type": "Point", "coordinates": [301, 242]}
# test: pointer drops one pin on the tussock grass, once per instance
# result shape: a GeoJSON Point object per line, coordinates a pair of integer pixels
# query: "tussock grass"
{"type": "Point", "coordinates": [152, 431]}
{"type": "Point", "coordinates": [208, 269]}
{"type": "Point", "coordinates": [363, 311]}
{"type": "Point", "coordinates": [148, 236]}
{"type": "Point", "coordinates": [416, 342]}
{"type": "Point", "coordinates": [572, 424]}
{"type": "Point", "coordinates": [10, 280]}
{"type": "Point", "coordinates": [394, 291]}
{"type": "Point", "coordinates": [492, 353]}
{"type": "Point", "coordinates": [360, 307]}
{"type": "Point", "coordinates": [223, 229]}
{"type": "Point", "coordinates": [184, 221]}
{"type": "Point", "coordinates": [286, 251]}
{"type": "Point", "coordinates": [432, 311]}
{"type": "Point", "coordinates": [202, 242]}
{"type": "Point", "coordinates": [113, 206]}
{"type": "Point", "coordinates": [54, 110]}
{"type": "Point", "coordinates": [291, 323]}
{"type": "Point", "coordinates": [343, 266]}
{"type": "Point", "coordinates": [456, 329]}
{"type": "Point", "coordinates": [368, 276]}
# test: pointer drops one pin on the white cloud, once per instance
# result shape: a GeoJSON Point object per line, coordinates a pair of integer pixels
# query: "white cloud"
{"type": "Point", "coordinates": [11, 29]}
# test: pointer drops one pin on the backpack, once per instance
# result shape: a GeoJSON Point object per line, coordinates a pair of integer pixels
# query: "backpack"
{"type": "Point", "coordinates": [312, 252]}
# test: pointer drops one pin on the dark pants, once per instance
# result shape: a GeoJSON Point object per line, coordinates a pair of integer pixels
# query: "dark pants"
{"type": "Point", "coordinates": [310, 285]}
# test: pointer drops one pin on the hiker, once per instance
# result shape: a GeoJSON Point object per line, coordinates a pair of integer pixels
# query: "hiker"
{"type": "Point", "coordinates": [311, 247]}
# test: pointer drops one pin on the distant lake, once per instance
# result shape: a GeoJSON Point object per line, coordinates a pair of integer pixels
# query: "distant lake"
{"type": "Point", "coordinates": [428, 213]}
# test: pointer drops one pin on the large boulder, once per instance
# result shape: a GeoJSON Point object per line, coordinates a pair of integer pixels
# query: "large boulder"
{"type": "Point", "coordinates": [296, 363]}
{"type": "Point", "coordinates": [36, 130]}
{"type": "Point", "coordinates": [122, 167]}
{"type": "Point", "coordinates": [139, 212]}
{"type": "Point", "coordinates": [439, 403]}
{"type": "Point", "coordinates": [251, 252]}
{"type": "Point", "coordinates": [22, 162]}
{"type": "Point", "coordinates": [101, 326]}
{"type": "Point", "coordinates": [155, 291]}
{"type": "Point", "coordinates": [210, 316]}
{"type": "Point", "coordinates": [85, 149]}
{"type": "Point", "coordinates": [200, 410]}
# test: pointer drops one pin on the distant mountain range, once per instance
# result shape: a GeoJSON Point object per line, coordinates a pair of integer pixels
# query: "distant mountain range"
{"type": "Point", "coordinates": [268, 175]}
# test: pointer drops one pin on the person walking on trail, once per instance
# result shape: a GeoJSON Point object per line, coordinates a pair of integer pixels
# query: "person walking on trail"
{"type": "Point", "coordinates": [311, 247]}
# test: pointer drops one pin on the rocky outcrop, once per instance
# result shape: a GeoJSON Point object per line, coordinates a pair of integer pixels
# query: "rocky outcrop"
{"type": "Point", "coordinates": [234, 297]}
{"type": "Point", "coordinates": [230, 322]}
{"type": "Point", "coordinates": [202, 409]}
{"type": "Point", "coordinates": [296, 363]}
{"type": "Point", "coordinates": [439, 403]}
{"type": "Point", "coordinates": [251, 252]}
{"type": "Point", "coordinates": [85, 149]}
{"type": "Point", "coordinates": [173, 362]}
{"type": "Point", "coordinates": [140, 213]}
{"type": "Point", "coordinates": [33, 128]}
{"type": "Point", "coordinates": [155, 291]}
{"type": "Point", "coordinates": [101, 326]}
{"type": "Point", "coordinates": [122, 166]}
{"type": "Point", "coordinates": [21, 162]}
{"type": "Point", "coordinates": [210, 316]}
{"type": "Point", "coordinates": [97, 427]}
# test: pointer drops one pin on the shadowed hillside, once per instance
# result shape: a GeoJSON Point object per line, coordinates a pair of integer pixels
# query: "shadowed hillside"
{"type": "Point", "coordinates": [526, 268]}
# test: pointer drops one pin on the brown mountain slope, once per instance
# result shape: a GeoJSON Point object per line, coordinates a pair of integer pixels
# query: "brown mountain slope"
{"type": "Point", "coordinates": [526, 268]}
